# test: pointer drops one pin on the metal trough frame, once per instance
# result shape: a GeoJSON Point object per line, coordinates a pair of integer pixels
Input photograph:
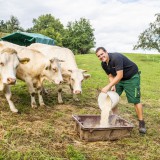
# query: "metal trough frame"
{"type": "Point", "coordinates": [101, 134]}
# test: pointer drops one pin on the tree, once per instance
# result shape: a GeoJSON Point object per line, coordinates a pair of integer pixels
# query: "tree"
{"type": "Point", "coordinates": [49, 26]}
{"type": "Point", "coordinates": [13, 24]}
{"type": "Point", "coordinates": [150, 38]}
{"type": "Point", "coordinates": [79, 36]}
{"type": "Point", "coordinates": [3, 26]}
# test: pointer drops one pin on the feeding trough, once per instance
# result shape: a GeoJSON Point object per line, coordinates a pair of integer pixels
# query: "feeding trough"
{"type": "Point", "coordinates": [89, 129]}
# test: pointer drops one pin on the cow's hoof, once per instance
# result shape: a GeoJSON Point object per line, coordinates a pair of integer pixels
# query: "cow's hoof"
{"type": "Point", "coordinates": [60, 102]}
{"type": "Point", "coordinates": [14, 110]}
{"type": "Point", "coordinates": [76, 99]}
{"type": "Point", "coordinates": [43, 105]}
{"type": "Point", "coordinates": [17, 112]}
{"type": "Point", "coordinates": [34, 106]}
{"type": "Point", "coordinates": [48, 108]}
{"type": "Point", "coordinates": [45, 93]}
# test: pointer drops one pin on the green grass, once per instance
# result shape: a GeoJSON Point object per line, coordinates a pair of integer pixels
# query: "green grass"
{"type": "Point", "coordinates": [48, 133]}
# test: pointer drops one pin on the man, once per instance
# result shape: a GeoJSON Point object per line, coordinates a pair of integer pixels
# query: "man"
{"type": "Point", "coordinates": [123, 74]}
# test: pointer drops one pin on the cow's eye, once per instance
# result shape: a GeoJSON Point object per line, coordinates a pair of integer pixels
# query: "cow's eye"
{"type": "Point", "coordinates": [1, 64]}
{"type": "Point", "coordinates": [47, 68]}
{"type": "Point", "coordinates": [55, 69]}
{"type": "Point", "coordinates": [16, 66]}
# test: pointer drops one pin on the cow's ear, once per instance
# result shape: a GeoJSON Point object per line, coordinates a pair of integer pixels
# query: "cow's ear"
{"type": "Point", "coordinates": [86, 75]}
{"type": "Point", "coordinates": [83, 71]}
{"type": "Point", "coordinates": [24, 60]}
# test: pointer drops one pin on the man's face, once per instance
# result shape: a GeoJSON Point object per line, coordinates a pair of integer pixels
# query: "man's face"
{"type": "Point", "coordinates": [102, 55]}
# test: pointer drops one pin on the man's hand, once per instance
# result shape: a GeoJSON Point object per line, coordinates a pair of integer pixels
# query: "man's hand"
{"type": "Point", "coordinates": [113, 88]}
{"type": "Point", "coordinates": [105, 89]}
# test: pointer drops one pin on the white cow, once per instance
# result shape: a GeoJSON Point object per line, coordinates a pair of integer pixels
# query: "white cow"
{"type": "Point", "coordinates": [36, 71]}
{"type": "Point", "coordinates": [9, 62]}
{"type": "Point", "coordinates": [72, 75]}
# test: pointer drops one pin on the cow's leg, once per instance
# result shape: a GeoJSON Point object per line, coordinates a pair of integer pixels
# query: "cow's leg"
{"type": "Point", "coordinates": [32, 92]}
{"type": "Point", "coordinates": [40, 88]}
{"type": "Point", "coordinates": [44, 91]}
{"type": "Point", "coordinates": [33, 101]}
{"type": "Point", "coordinates": [60, 94]}
{"type": "Point", "coordinates": [41, 102]}
{"type": "Point", "coordinates": [8, 96]}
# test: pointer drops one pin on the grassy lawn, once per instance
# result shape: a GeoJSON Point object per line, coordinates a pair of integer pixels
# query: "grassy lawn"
{"type": "Point", "coordinates": [48, 134]}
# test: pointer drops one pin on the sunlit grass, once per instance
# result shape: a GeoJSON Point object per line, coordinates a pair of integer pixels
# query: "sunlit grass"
{"type": "Point", "coordinates": [48, 133]}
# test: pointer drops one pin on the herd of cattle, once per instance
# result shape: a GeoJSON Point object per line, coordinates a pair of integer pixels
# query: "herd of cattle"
{"type": "Point", "coordinates": [36, 63]}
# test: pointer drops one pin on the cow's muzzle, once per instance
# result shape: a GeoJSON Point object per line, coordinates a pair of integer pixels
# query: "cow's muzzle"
{"type": "Point", "coordinates": [58, 82]}
{"type": "Point", "coordinates": [77, 92]}
{"type": "Point", "coordinates": [11, 81]}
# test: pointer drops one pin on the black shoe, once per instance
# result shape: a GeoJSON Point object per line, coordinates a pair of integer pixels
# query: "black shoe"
{"type": "Point", "coordinates": [142, 128]}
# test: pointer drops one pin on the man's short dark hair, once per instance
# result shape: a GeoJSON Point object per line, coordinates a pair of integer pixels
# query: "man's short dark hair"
{"type": "Point", "coordinates": [99, 48]}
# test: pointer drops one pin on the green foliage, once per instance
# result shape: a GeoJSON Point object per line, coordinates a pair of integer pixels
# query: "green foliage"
{"type": "Point", "coordinates": [150, 38]}
{"type": "Point", "coordinates": [3, 26]}
{"type": "Point", "coordinates": [79, 36]}
{"type": "Point", "coordinates": [11, 25]}
{"type": "Point", "coordinates": [49, 26]}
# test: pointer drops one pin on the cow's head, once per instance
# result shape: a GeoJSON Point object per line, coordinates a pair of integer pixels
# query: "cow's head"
{"type": "Point", "coordinates": [9, 62]}
{"type": "Point", "coordinates": [52, 71]}
{"type": "Point", "coordinates": [75, 79]}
